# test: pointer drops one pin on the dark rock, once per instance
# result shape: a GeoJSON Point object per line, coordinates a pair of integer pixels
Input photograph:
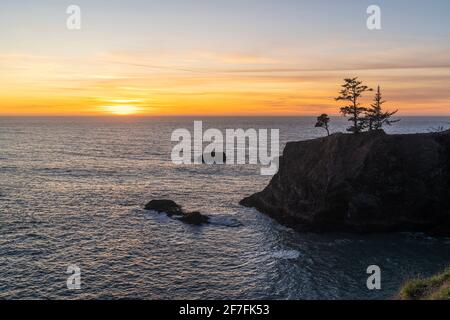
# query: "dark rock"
{"type": "Point", "coordinates": [171, 208]}
{"type": "Point", "coordinates": [167, 206]}
{"type": "Point", "coordinates": [220, 158]}
{"type": "Point", "coordinates": [368, 182]}
{"type": "Point", "coordinates": [195, 218]}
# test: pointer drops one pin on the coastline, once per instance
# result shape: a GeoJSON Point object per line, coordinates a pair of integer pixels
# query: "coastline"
{"type": "Point", "coordinates": [370, 182]}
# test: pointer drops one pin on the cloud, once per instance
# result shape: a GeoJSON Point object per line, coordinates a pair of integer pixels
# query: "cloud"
{"type": "Point", "coordinates": [284, 81]}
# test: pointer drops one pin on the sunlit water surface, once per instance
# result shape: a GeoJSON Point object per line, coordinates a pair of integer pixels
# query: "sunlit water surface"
{"type": "Point", "coordinates": [72, 189]}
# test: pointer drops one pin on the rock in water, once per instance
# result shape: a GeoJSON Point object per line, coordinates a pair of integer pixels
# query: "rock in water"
{"type": "Point", "coordinates": [195, 218]}
{"type": "Point", "coordinates": [171, 208]}
{"type": "Point", "coordinates": [368, 182]}
{"type": "Point", "coordinates": [220, 158]}
{"type": "Point", "coordinates": [167, 206]}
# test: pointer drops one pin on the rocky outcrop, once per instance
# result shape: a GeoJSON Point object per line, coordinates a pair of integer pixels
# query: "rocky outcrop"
{"type": "Point", "coordinates": [172, 209]}
{"type": "Point", "coordinates": [195, 218]}
{"type": "Point", "coordinates": [368, 182]}
{"type": "Point", "coordinates": [213, 158]}
{"type": "Point", "coordinates": [164, 206]}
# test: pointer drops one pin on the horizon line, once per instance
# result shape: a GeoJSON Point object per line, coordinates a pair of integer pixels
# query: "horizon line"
{"type": "Point", "coordinates": [194, 115]}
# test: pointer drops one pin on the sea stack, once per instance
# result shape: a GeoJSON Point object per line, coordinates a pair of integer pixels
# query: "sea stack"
{"type": "Point", "coordinates": [367, 182]}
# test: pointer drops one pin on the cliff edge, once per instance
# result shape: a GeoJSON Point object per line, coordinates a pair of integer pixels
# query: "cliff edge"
{"type": "Point", "coordinates": [368, 182]}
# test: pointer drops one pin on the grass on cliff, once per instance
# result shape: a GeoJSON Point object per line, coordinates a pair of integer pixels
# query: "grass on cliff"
{"type": "Point", "coordinates": [435, 288]}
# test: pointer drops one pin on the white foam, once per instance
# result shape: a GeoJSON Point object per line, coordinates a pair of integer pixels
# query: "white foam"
{"type": "Point", "coordinates": [224, 221]}
{"type": "Point", "coordinates": [286, 254]}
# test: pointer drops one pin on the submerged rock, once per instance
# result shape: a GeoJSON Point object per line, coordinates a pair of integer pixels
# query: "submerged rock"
{"type": "Point", "coordinates": [218, 158]}
{"type": "Point", "coordinates": [171, 208]}
{"type": "Point", "coordinates": [368, 182]}
{"type": "Point", "coordinates": [195, 218]}
{"type": "Point", "coordinates": [164, 206]}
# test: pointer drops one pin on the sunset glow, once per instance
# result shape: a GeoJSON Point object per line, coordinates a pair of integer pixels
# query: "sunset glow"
{"type": "Point", "coordinates": [121, 110]}
{"type": "Point", "coordinates": [153, 60]}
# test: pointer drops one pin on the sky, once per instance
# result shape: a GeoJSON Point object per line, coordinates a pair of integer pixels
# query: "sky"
{"type": "Point", "coordinates": [210, 57]}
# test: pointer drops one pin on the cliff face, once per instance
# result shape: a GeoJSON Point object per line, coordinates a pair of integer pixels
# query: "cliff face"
{"type": "Point", "coordinates": [370, 182]}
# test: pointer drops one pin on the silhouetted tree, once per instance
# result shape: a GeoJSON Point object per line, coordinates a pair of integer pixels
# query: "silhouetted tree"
{"type": "Point", "coordinates": [351, 91]}
{"type": "Point", "coordinates": [323, 122]}
{"type": "Point", "coordinates": [375, 116]}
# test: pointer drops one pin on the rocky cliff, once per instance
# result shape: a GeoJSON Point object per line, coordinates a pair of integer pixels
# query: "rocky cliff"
{"type": "Point", "coordinates": [369, 182]}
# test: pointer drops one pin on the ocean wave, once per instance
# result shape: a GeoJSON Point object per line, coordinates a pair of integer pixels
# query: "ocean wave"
{"type": "Point", "coordinates": [222, 221]}
{"type": "Point", "coordinates": [286, 254]}
{"type": "Point", "coordinates": [225, 221]}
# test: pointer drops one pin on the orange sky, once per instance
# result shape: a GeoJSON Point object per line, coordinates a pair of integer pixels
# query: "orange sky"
{"type": "Point", "coordinates": [151, 67]}
{"type": "Point", "coordinates": [36, 85]}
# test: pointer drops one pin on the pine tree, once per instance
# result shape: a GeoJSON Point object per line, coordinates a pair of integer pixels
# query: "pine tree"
{"type": "Point", "coordinates": [351, 91]}
{"type": "Point", "coordinates": [323, 122]}
{"type": "Point", "coordinates": [375, 116]}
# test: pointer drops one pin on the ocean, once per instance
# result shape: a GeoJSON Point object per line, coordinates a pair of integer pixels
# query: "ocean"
{"type": "Point", "coordinates": [72, 192]}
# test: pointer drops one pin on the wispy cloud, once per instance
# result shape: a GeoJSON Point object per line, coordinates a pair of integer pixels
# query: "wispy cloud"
{"type": "Point", "coordinates": [189, 82]}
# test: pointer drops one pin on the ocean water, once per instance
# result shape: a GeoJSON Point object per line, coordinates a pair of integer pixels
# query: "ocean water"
{"type": "Point", "coordinates": [72, 192]}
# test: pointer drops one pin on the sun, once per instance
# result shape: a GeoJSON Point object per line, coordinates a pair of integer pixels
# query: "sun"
{"type": "Point", "coordinates": [121, 109]}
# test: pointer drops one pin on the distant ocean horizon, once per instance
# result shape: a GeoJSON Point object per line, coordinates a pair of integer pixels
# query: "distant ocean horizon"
{"type": "Point", "coordinates": [72, 191]}
{"type": "Point", "coordinates": [201, 116]}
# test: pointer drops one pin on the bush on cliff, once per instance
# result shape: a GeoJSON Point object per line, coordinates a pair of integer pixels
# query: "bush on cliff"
{"type": "Point", "coordinates": [434, 288]}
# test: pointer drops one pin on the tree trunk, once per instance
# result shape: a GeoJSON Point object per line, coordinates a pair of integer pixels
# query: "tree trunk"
{"type": "Point", "coordinates": [355, 116]}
